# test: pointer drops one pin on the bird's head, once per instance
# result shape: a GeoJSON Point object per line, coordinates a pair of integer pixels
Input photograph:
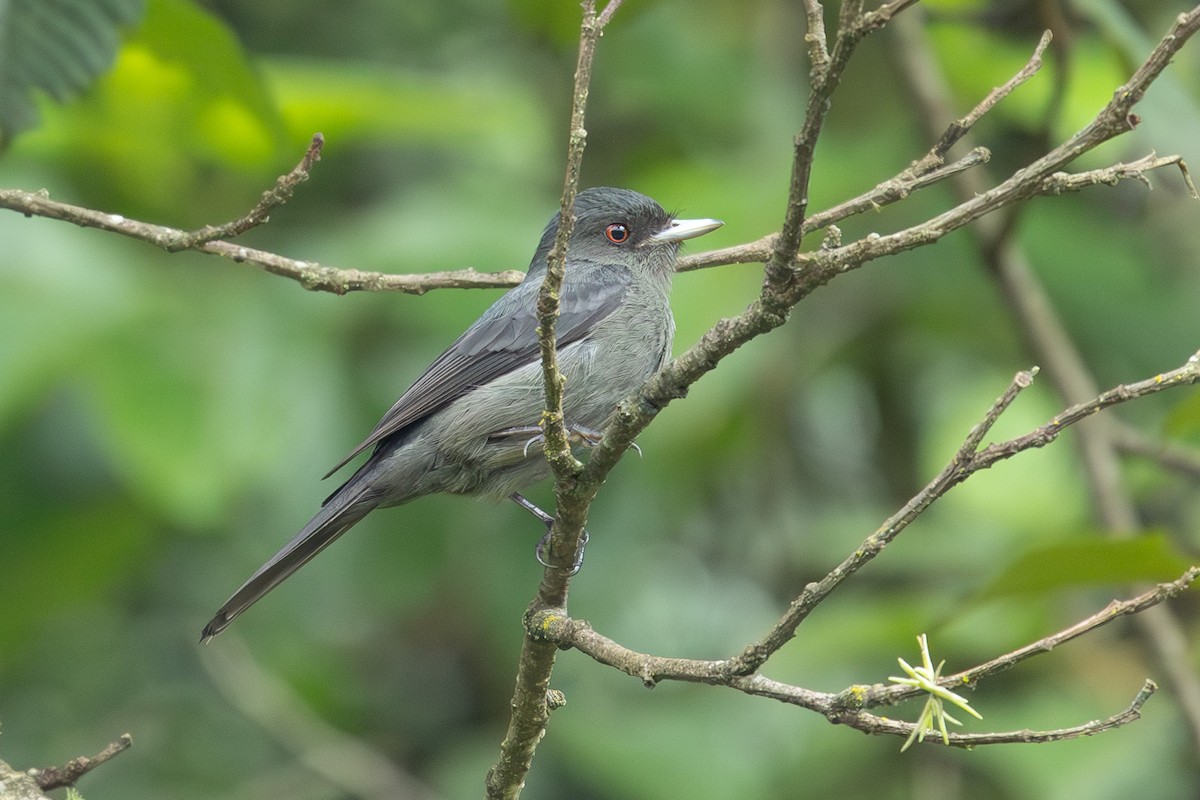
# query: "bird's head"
{"type": "Point", "coordinates": [624, 226]}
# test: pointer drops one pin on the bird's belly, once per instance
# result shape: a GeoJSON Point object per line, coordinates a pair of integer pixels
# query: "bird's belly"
{"type": "Point", "coordinates": [488, 441]}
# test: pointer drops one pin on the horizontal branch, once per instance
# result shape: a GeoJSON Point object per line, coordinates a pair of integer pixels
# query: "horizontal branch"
{"type": "Point", "coordinates": [1061, 182]}
{"type": "Point", "coordinates": [849, 707]}
{"type": "Point", "coordinates": [869, 723]}
{"type": "Point", "coordinates": [309, 274]}
{"type": "Point", "coordinates": [211, 239]}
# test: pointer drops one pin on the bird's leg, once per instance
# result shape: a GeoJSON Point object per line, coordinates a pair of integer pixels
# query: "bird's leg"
{"type": "Point", "coordinates": [544, 543]}
{"type": "Point", "coordinates": [576, 435]}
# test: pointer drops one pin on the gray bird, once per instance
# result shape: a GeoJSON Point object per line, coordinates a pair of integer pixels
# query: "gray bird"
{"type": "Point", "coordinates": [469, 424]}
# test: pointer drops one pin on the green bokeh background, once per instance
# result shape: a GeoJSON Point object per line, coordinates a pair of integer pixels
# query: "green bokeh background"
{"type": "Point", "coordinates": [165, 419]}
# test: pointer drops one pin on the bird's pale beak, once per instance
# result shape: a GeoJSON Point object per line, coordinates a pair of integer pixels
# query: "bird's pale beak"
{"type": "Point", "coordinates": [681, 229]}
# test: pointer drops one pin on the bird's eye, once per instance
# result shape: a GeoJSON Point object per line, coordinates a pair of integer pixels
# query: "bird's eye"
{"type": "Point", "coordinates": [617, 233]}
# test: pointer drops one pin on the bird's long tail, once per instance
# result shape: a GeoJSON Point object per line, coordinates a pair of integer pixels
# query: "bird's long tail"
{"type": "Point", "coordinates": [346, 507]}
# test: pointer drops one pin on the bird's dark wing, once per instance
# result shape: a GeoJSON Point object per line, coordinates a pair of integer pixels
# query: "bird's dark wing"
{"type": "Point", "coordinates": [502, 340]}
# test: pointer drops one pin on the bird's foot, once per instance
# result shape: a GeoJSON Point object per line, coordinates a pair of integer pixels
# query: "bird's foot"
{"type": "Point", "coordinates": [541, 552]}
{"type": "Point", "coordinates": [576, 435]}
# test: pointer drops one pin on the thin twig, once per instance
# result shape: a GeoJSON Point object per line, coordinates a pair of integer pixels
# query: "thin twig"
{"type": "Point", "coordinates": [881, 695]}
{"type": "Point", "coordinates": [1114, 610]}
{"type": "Point", "coordinates": [961, 127]}
{"type": "Point", "coordinates": [849, 707]}
{"type": "Point", "coordinates": [870, 723]}
{"type": "Point", "coordinates": [890, 191]}
{"type": "Point", "coordinates": [211, 239]}
{"type": "Point", "coordinates": [1061, 182]}
{"type": "Point", "coordinates": [56, 777]}
{"type": "Point", "coordinates": [1020, 382]}
{"type": "Point", "coordinates": [272, 198]}
{"type": "Point", "coordinates": [1051, 342]}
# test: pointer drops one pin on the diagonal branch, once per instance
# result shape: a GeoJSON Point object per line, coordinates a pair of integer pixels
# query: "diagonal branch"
{"type": "Point", "coordinates": [961, 127]}
{"type": "Point", "coordinates": [849, 707]}
{"type": "Point", "coordinates": [968, 459]}
{"type": "Point", "coordinates": [890, 191]}
{"type": "Point", "coordinates": [1052, 344]}
{"type": "Point", "coordinates": [554, 626]}
{"type": "Point", "coordinates": [56, 777]}
{"type": "Point", "coordinates": [816, 268]}
{"type": "Point", "coordinates": [276, 196]}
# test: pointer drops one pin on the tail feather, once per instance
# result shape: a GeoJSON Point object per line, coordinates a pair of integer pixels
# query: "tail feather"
{"type": "Point", "coordinates": [338, 515]}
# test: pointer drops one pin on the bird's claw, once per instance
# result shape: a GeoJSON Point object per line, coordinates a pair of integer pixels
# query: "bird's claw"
{"type": "Point", "coordinates": [539, 438]}
{"type": "Point", "coordinates": [576, 435]}
{"type": "Point", "coordinates": [543, 545]}
{"type": "Point", "coordinates": [543, 548]}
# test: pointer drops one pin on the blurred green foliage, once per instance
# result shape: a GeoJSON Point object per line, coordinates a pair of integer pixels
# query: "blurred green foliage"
{"type": "Point", "coordinates": [165, 419]}
{"type": "Point", "coordinates": [58, 47]}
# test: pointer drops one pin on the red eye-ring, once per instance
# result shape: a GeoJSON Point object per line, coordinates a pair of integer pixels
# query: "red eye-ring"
{"type": "Point", "coordinates": [617, 233]}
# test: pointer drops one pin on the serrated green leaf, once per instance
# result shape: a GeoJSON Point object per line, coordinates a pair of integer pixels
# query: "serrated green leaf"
{"type": "Point", "coordinates": [55, 46]}
{"type": "Point", "coordinates": [1088, 561]}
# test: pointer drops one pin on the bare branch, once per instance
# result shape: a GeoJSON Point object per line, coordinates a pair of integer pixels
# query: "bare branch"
{"type": "Point", "coordinates": [961, 127]}
{"type": "Point", "coordinates": [869, 723]}
{"type": "Point", "coordinates": [309, 274]}
{"type": "Point", "coordinates": [56, 777]}
{"type": "Point", "coordinates": [1061, 182]}
{"type": "Point", "coordinates": [276, 196]}
{"type": "Point", "coordinates": [848, 707]}
{"type": "Point", "coordinates": [890, 191]}
{"type": "Point", "coordinates": [1051, 342]}
{"type": "Point", "coordinates": [531, 705]}
{"type": "Point", "coordinates": [1114, 610]}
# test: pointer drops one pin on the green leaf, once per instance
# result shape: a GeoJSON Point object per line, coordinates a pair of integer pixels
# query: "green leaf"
{"type": "Point", "coordinates": [208, 132]}
{"type": "Point", "coordinates": [55, 46]}
{"type": "Point", "coordinates": [1088, 561]}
